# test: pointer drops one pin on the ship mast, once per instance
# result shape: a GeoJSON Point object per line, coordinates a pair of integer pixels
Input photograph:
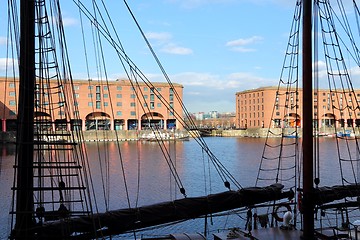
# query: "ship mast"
{"type": "Point", "coordinates": [25, 123]}
{"type": "Point", "coordinates": [308, 208]}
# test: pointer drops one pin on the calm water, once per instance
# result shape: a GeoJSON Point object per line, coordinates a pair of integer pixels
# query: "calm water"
{"type": "Point", "coordinates": [239, 155]}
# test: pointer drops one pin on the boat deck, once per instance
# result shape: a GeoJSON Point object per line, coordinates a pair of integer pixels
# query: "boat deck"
{"type": "Point", "coordinates": [280, 234]}
{"type": "Point", "coordinates": [264, 233]}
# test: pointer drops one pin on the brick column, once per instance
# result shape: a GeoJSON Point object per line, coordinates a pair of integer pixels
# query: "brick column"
{"type": "Point", "coordinates": [3, 125]}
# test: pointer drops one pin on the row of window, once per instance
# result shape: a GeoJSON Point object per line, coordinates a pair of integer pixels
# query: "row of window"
{"type": "Point", "coordinates": [253, 115]}
{"type": "Point", "coordinates": [315, 114]}
{"type": "Point", "coordinates": [292, 101]}
{"type": "Point", "coordinates": [253, 101]}
{"type": "Point", "coordinates": [98, 89]}
{"type": "Point", "coordinates": [333, 94]}
{"type": "Point", "coordinates": [99, 96]}
{"type": "Point", "coordinates": [98, 104]}
{"type": "Point", "coordinates": [132, 104]}
{"type": "Point", "coordinates": [244, 115]}
{"type": "Point", "coordinates": [277, 123]}
{"type": "Point", "coordinates": [333, 100]}
{"type": "Point", "coordinates": [252, 123]}
{"type": "Point", "coordinates": [253, 95]}
{"type": "Point", "coordinates": [76, 113]}
{"type": "Point", "coordinates": [254, 108]}
{"type": "Point", "coordinates": [315, 94]}
{"type": "Point", "coordinates": [105, 95]}
{"type": "Point", "coordinates": [119, 88]}
{"type": "Point", "coordinates": [132, 113]}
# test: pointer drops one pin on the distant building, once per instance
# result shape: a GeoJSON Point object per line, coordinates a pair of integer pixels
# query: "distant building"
{"type": "Point", "coordinates": [218, 121]}
{"type": "Point", "coordinates": [199, 116]}
{"type": "Point", "coordinates": [115, 105]}
{"type": "Point", "coordinates": [213, 114]}
{"type": "Point", "coordinates": [255, 108]}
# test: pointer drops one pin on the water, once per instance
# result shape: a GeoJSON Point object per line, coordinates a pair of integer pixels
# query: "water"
{"type": "Point", "coordinates": [239, 155]}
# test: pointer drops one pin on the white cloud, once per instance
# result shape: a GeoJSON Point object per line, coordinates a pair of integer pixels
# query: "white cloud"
{"type": "Point", "coordinates": [165, 43]}
{"type": "Point", "coordinates": [174, 49]}
{"type": "Point", "coordinates": [238, 44]}
{"type": "Point", "coordinates": [242, 49]}
{"type": "Point", "coordinates": [193, 93]}
{"type": "Point", "coordinates": [242, 41]}
{"type": "Point", "coordinates": [321, 69]}
{"type": "Point", "coordinates": [322, 74]}
{"type": "Point", "coordinates": [355, 71]}
{"type": "Point", "coordinates": [236, 81]}
{"type": "Point", "coordinates": [196, 79]}
{"type": "Point", "coordinates": [68, 21]}
{"type": "Point", "coordinates": [7, 64]}
{"type": "Point", "coordinates": [206, 91]}
{"type": "Point", "coordinates": [3, 40]}
{"type": "Point", "coordinates": [163, 36]}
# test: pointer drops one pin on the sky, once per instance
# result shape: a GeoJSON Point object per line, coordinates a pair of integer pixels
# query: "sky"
{"type": "Point", "coordinates": [214, 48]}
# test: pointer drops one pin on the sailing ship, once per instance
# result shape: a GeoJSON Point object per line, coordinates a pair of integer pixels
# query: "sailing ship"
{"type": "Point", "coordinates": [53, 190]}
{"type": "Point", "coordinates": [317, 203]}
{"type": "Point", "coordinates": [53, 194]}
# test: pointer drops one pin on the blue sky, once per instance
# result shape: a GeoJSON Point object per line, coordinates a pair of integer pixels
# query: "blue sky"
{"type": "Point", "coordinates": [214, 48]}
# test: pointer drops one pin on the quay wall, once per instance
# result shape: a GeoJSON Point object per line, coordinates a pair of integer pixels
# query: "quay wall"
{"type": "Point", "coordinates": [262, 132]}
{"type": "Point", "coordinates": [112, 135]}
{"type": "Point", "coordinates": [252, 132]}
{"type": "Point", "coordinates": [132, 135]}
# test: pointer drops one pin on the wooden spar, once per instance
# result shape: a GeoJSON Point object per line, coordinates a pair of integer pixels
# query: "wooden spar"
{"type": "Point", "coordinates": [308, 205]}
{"type": "Point", "coordinates": [25, 123]}
{"type": "Point", "coordinates": [120, 221]}
{"type": "Point", "coordinates": [324, 195]}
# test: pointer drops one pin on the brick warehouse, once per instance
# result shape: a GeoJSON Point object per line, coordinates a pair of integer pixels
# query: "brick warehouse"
{"type": "Point", "coordinates": [254, 108]}
{"type": "Point", "coordinates": [105, 106]}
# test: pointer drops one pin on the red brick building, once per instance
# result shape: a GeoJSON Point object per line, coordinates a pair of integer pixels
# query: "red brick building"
{"type": "Point", "coordinates": [115, 105]}
{"type": "Point", "coordinates": [268, 107]}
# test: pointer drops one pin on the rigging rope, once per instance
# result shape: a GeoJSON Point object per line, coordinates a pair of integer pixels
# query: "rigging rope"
{"type": "Point", "coordinates": [117, 46]}
{"type": "Point", "coordinates": [223, 173]}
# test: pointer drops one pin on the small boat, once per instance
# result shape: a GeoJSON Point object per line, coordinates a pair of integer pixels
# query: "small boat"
{"type": "Point", "coordinates": [158, 135]}
{"type": "Point", "coordinates": [292, 135]}
{"type": "Point", "coordinates": [323, 134]}
{"type": "Point", "coordinates": [347, 133]}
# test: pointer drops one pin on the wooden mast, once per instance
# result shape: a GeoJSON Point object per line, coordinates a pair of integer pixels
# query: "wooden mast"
{"type": "Point", "coordinates": [25, 123]}
{"type": "Point", "coordinates": [308, 205]}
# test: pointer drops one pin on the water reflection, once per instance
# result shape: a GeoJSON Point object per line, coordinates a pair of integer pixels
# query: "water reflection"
{"type": "Point", "coordinates": [149, 179]}
{"type": "Point", "coordinates": [6, 181]}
